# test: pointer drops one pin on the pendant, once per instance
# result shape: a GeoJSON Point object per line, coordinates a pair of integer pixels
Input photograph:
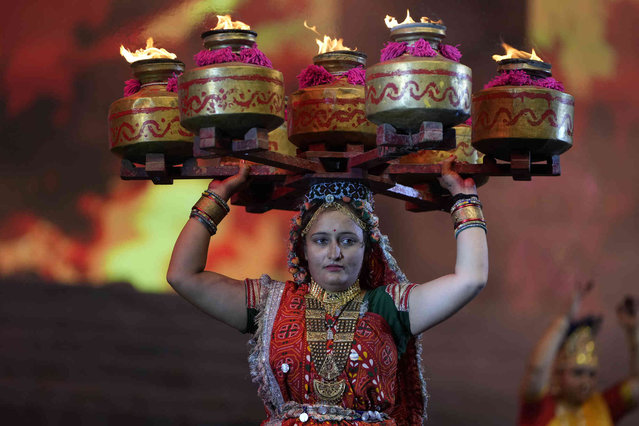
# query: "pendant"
{"type": "Point", "coordinates": [329, 334]}
{"type": "Point", "coordinates": [329, 392]}
{"type": "Point", "coordinates": [329, 369]}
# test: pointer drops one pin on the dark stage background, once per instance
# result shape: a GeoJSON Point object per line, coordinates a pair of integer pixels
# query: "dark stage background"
{"type": "Point", "coordinates": [80, 345]}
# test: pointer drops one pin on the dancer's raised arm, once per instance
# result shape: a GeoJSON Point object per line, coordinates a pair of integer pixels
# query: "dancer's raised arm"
{"type": "Point", "coordinates": [434, 301]}
{"type": "Point", "coordinates": [219, 296]}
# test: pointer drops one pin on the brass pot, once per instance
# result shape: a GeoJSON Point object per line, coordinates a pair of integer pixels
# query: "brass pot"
{"type": "Point", "coordinates": [148, 121]}
{"type": "Point", "coordinates": [408, 90]}
{"type": "Point", "coordinates": [278, 141]}
{"type": "Point", "coordinates": [234, 96]}
{"type": "Point", "coordinates": [464, 151]}
{"type": "Point", "coordinates": [523, 119]}
{"type": "Point", "coordinates": [331, 113]}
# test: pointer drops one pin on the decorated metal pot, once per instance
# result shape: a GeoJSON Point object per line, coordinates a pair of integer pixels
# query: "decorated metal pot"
{"type": "Point", "coordinates": [278, 141]}
{"type": "Point", "coordinates": [523, 119]}
{"type": "Point", "coordinates": [464, 152]}
{"type": "Point", "coordinates": [407, 90]}
{"type": "Point", "coordinates": [148, 121]}
{"type": "Point", "coordinates": [332, 113]}
{"type": "Point", "coordinates": [234, 96]}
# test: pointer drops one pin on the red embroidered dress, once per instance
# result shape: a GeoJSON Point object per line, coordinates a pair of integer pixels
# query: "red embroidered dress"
{"type": "Point", "coordinates": [382, 341]}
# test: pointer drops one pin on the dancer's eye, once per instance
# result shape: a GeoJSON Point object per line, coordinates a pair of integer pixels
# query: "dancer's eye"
{"type": "Point", "coordinates": [347, 242]}
{"type": "Point", "coordinates": [320, 241]}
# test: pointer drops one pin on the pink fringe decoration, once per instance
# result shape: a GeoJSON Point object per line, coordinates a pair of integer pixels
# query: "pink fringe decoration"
{"type": "Point", "coordinates": [393, 49]}
{"type": "Point", "coordinates": [451, 52]}
{"type": "Point", "coordinates": [356, 76]}
{"type": "Point", "coordinates": [217, 56]}
{"type": "Point", "coordinates": [132, 86]}
{"type": "Point", "coordinates": [172, 83]}
{"type": "Point", "coordinates": [520, 78]}
{"type": "Point", "coordinates": [550, 83]}
{"type": "Point", "coordinates": [314, 75]}
{"type": "Point", "coordinates": [510, 78]}
{"type": "Point", "coordinates": [422, 48]}
{"type": "Point", "coordinates": [251, 55]}
{"type": "Point", "coordinates": [469, 122]}
{"type": "Point", "coordinates": [255, 56]}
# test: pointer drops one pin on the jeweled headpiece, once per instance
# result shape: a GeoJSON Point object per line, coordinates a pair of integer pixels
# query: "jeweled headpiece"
{"type": "Point", "coordinates": [579, 347]}
{"type": "Point", "coordinates": [333, 195]}
{"type": "Point", "coordinates": [339, 190]}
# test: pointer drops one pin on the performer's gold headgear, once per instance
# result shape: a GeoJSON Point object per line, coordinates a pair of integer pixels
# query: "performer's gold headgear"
{"type": "Point", "coordinates": [579, 348]}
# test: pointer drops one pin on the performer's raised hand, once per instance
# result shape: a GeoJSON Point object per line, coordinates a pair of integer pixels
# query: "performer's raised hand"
{"type": "Point", "coordinates": [232, 184]}
{"type": "Point", "coordinates": [627, 314]}
{"type": "Point", "coordinates": [580, 290]}
{"type": "Point", "coordinates": [453, 182]}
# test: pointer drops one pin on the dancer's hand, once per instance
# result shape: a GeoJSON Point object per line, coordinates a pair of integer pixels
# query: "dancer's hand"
{"type": "Point", "coordinates": [627, 314]}
{"type": "Point", "coordinates": [233, 184]}
{"type": "Point", "coordinates": [453, 182]}
{"type": "Point", "coordinates": [581, 289]}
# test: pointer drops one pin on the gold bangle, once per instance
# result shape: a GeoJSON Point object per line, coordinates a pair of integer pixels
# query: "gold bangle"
{"type": "Point", "coordinates": [464, 214]}
{"type": "Point", "coordinates": [215, 197]}
{"type": "Point", "coordinates": [211, 208]}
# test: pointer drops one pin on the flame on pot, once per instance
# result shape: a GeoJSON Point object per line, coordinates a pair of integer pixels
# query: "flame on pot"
{"type": "Point", "coordinates": [224, 22]}
{"type": "Point", "coordinates": [328, 44]}
{"type": "Point", "coordinates": [149, 52]}
{"type": "Point", "coordinates": [391, 22]}
{"type": "Point", "coordinates": [512, 53]}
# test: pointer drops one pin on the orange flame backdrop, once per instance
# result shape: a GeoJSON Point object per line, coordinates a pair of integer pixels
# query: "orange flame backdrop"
{"type": "Point", "coordinates": [67, 217]}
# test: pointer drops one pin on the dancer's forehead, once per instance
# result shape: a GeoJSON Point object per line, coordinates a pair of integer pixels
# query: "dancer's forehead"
{"type": "Point", "coordinates": [333, 221]}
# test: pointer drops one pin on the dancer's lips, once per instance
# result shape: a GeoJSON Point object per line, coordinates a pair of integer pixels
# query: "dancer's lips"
{"type": "Point", "coordinates": [334, 268]}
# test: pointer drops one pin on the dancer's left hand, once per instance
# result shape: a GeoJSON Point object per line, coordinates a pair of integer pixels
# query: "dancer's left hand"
{"type": "Point", "coordinates": [453, 182]}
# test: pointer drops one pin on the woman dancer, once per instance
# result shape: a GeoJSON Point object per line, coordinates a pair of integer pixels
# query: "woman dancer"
{"type": "Point", "coordinates": [338, 344]}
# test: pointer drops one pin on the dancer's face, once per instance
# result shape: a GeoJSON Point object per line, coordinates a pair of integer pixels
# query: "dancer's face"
{"type": "Point", "coordinates": [577, 383]}
{"type": "Point", "coordinates": [334, 248]}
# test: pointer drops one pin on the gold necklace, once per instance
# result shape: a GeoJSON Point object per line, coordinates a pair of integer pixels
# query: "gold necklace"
{"type": "Point", "coordinates": [334, 300]}
{"type": "Point", "coordinates": [329, 366]}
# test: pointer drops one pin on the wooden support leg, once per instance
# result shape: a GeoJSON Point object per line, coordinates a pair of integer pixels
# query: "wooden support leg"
{"type": "Point", "coordinates": [387, 136]}
{"type": "Point", "coordinates": [155, 167]}
{"type": "Point", "coordinates": [190, 167]}
{"type": "Point", "coordinates": [210, 143]}
{"type": "Point", "coordinates": [555, 165]}
{"type": "Point", "coordinates": [430, 136]}
{"type": "Point", "coordinates": [255, 140]}
{"type": "Point", "coordinates": [127, 169]}
{"type": "Point", "coordinates": [520, 165]}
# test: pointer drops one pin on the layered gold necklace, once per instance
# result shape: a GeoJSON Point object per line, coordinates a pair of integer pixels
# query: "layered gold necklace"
{"type": "Point", "coordinates": [343, 308]}
{"type": "Point", "coordinates": [333, 300]}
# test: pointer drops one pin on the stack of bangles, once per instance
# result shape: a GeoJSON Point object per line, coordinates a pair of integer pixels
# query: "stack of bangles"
{"type": "Point", "coordinates": [210, 210]}
{"type": "Point", "coordinates": [466, 213]}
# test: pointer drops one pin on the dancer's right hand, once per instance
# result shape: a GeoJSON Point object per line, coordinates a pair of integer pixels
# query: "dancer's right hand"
{"type": "Point", "coordinates": [232, 184]}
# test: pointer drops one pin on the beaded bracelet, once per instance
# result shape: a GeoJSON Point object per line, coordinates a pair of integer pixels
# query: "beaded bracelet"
{"type": "Point", "coordinates": [468, 225]}
{"type": "Point", "coordinates": [459, 197]}
{"type": "Point", "coordinates": [205, 220]}
{"type": "Point", "coordinates": [214, 196]}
